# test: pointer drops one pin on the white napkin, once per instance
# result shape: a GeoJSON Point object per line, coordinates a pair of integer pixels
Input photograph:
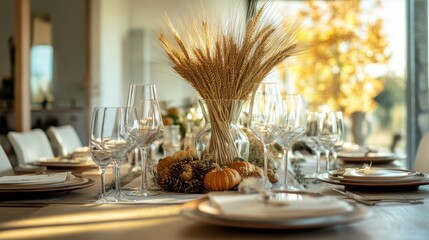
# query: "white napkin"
{"type": "Point", "coordinates": [376, 173]}
{"type": "Point", "coordinates": [250, 206]}
{"type": "Point", "coordinates": [35, 179]}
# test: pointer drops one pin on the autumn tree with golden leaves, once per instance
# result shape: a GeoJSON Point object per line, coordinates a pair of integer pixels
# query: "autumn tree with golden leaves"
{"type": "Point", "coordinates": [346, 39]}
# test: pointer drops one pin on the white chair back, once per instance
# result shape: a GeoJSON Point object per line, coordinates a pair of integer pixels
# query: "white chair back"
{"type": "Point", "coordinates": [64, 139]}
{"type": "Point", "coordinates": [422, 156]}
{"type": "Point", "coordinates": [5, 167]}
{"type": "Point", "coordinates": [30, 146]}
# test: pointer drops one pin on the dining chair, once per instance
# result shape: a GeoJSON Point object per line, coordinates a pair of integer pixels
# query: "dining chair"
{"type": "Point", "coordinates": [5, 166]}
{"type": "Point", "coordinates": [30, 146]}
{"type": "Point", "coordinates": [64, 139]}
{"type": "Point", "coordinates": [422, 160]}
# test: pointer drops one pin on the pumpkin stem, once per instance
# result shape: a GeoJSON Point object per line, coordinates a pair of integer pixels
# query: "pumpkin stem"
{"type": "Point", "coordinates": [218, 168]}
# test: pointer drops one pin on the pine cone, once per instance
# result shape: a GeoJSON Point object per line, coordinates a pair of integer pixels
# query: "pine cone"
{"type": "Point", "coordinates": [185, 176]}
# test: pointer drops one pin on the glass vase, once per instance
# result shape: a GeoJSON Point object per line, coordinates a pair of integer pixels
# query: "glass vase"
{"type": "Point", "coordinates": [221, 139]}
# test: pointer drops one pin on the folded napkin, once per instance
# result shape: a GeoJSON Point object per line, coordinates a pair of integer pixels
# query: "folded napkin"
{"type": "Point", "coordinates": [361, 154]}
{"type": "Point", "coordinates": [379, 174]}
{"type": "Point", "coordinates": [295, 206]}
{"type": "Point", "coordinates": [65, 160]}
{"type": "Point", "coordinates": [35, 179]}
{"type": "Point", "coordinates": [82, 152]}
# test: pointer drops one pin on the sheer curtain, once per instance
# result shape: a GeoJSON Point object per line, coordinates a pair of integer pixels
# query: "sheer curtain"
{"type": "Point", "coordinates": [417, 82]}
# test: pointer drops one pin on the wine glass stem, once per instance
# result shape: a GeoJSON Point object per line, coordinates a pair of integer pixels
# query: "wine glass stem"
{"type": "Point", "coordinates": [334, 157]}
{"type": "Point", "coordinates": [136, 158]}
{"type": "Point", "coordinates": [327, 160]}
{"type": "Point", "coordinates": [286, 157]}
{"type": "Point", "coordinates": [103, 182]}
{"type": "Point", "coordinates": [117, 169]}
{"type": "Point", "coordinates": [317, 162]}
{"type": "Point", "coordinates": [266, 179]}
{"type": "Point", "coordinates": [143, 187]}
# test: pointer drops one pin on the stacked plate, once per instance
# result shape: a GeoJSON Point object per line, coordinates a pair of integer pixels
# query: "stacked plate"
{"type": "Point", "coordinates": [61, 162]}
{"type": "Point", "coordinates": [361, 157]}
{"type": "Point", "coordinates": [282, 210]}
{"type": "Point", "coordinates": [375, 177]}
{"type": "Point", "coordinates": [46, 183]}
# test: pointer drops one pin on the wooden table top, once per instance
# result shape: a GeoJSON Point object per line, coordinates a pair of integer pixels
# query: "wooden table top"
{"type": "Point", "coordinates": [151, 221]}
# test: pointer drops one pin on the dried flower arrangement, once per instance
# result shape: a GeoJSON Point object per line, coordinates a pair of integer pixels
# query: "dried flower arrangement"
{"type": "Point", "coordinates": [225, 63]}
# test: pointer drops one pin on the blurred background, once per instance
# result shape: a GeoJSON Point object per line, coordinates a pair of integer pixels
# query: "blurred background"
{"type": "Point", "coordinates": [367, 58]}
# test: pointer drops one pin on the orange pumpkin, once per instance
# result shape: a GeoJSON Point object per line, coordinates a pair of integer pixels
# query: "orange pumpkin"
{"type": "Point", "coordinates": [220, 179]}
{"type": "Point", "coordinates": [167, 121]}
{"type": "Point", "coordinates": [183, 154]}
{"type": "Point", "coordinates": [165, 163]}
{"type": "Point", "coordinates": [243, 168]}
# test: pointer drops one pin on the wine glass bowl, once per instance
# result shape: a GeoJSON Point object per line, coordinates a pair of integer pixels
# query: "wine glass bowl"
{"type": "Point", "coordinates": [265, 118]}
{"type": "Point", "coordinates": [113, 140]}
{"type": "Point", "coordinates": [99, 155]}
{"type": "Point", "coordinates": [340, 135]}
{"type": "Point", "coordinates": [171, 140]}
{"type": "Point", "coordinates": [148, 127]}
{"type": "Point", "coordinates": [327, 133]}
{"type": "Point", "coordinates": [311, 138]}
{"type": "Point", "coordinates": [294, 128]}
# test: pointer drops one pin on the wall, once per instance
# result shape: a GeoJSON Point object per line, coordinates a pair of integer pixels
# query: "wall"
{"type": "Point", "coordinates": [68, 40]}
{"type": "Point", "coordinates": [7, 28]}
{"type": "Point", "coordinates": [119, 56]}
{"type": "Point", "coordinates": [69, 43]}
{"type": "Point", "coordinates": [149, 16]}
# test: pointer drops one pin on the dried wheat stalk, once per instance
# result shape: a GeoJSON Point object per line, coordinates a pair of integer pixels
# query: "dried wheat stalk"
{"type": "Point", "coordinates": [224, 64]}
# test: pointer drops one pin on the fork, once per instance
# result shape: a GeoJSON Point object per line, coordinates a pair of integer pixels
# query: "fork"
{"type": "Point", "coordinates": [374, 201]}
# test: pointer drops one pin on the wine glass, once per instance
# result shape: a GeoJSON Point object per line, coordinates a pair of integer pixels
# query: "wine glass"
{"type": "Point", "coordinates": [293, 129]}
{"type": "Point", "coordinates": [117, 126]}
{"type": "Point", "coordinates": [340, 135]}
{"type": "Point", "coordinates": [327, 133]}
{"type": "Point", "coordinates": [149, 127]}
{"type": "Point", "coordinates": [100, 156]}
{"type": "Point", "coordinates": [311, 138]}
{"type": "Point", "coordinates": [171, 140]}
{"type": "Point", "coordinates": [265, 118]}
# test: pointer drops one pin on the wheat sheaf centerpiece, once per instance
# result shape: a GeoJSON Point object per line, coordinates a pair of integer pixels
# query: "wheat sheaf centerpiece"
{"type": "Point", "coordinates": [224, 63]}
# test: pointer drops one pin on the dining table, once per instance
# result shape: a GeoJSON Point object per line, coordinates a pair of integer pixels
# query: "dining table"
{"type": "Point", "coordinates": [75, 215]}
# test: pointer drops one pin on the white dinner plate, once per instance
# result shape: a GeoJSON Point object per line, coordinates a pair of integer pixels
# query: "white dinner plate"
{"type": "Point", "coordinates": [191, 212]}
{"type": "Point", "coordinates": [358, 157]}
{"type": "Point", "coordinates": [368, 185]}
{"type": "Point", "coordinates": [376, 175]}
{"type": "Point", "coordinates": [74, 184]}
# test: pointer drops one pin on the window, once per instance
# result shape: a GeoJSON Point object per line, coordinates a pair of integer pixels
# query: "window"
{"type": "Point", "coordinates": [41, 61]}
{"type": "Point", "coordinates": [358, 64]}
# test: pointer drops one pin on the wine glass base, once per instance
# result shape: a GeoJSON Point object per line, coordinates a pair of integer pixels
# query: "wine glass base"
{"type": "Point", "coordinates": [311, 176]}
{"type": "Point", "coordinates": [106, 200]}
{"type": "Point", "coordinates": [124, 199]}
{"type": "Point", "coordinates": [136, 169]}
{"type": "Point", "coordinates": [289, 188]}
{"type": "Point", "coordinates": [142, 194]}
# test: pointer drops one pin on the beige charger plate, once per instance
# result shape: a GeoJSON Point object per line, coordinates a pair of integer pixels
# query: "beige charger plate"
{"type": "Point", "coordinates": [69, 185]}
{"type": "Point", "coordinates": [58, 163]}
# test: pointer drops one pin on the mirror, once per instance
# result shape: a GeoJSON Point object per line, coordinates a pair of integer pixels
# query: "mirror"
{"type": "Point", "coordinates": [41, 61]}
